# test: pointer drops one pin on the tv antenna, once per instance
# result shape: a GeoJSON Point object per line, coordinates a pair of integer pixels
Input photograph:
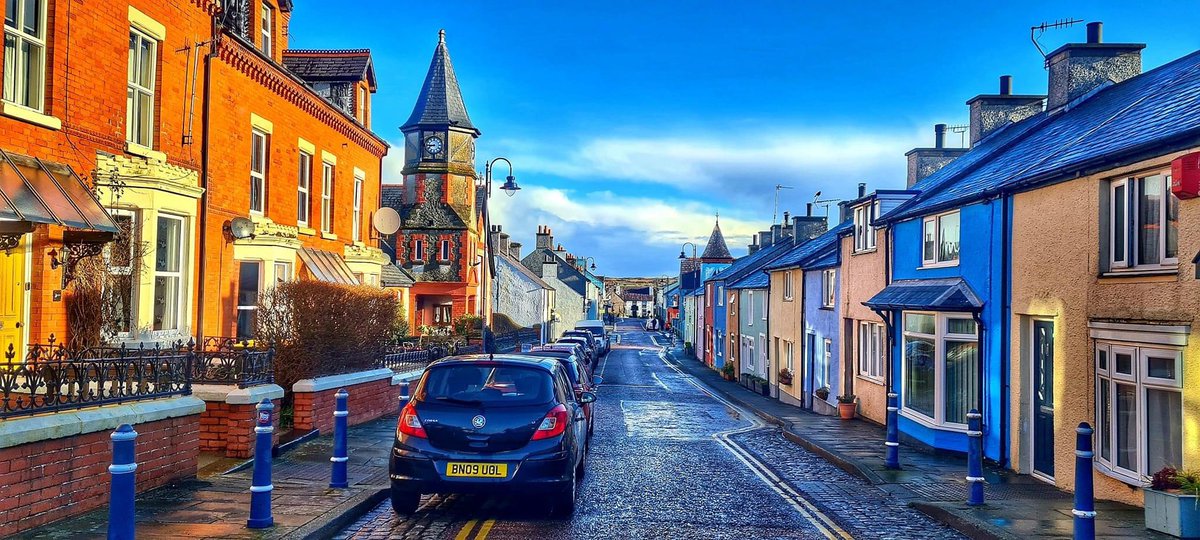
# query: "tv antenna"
{"type": "Point", "coordinates": [1035, 33]}
{"type": "Point", "coordinates": [818, 201]}
{"type": "Point", "coordinates": [961, 130]}
{"type": "Point", "coordinates": [778, 187]}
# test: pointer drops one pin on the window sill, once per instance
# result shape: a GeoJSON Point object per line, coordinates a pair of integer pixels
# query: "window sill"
{"type": "Point", "coordinates": [872, 380]}
{"type": "Point", "coordinates": [29, 115]}
{"type": "Point", "coordinates": [359, 243]}
{"type": "Point", "coordinates": [1140, 272]}
{"type": "Point", "coordinates": [930, 423]}
{"type": "Point", "coordinates": [306, 231]}
{"type": "Point", "coordinates": [1119, 475]}
{"type": "Point", "coordinates": [864, 251]}
{"type": "Point", "coordinates": [144, 151]}
{"type": "Point", "coordinates": [826, 308]}
{"type": "Point", "coordinates": [937, 265]}
{"type": "Point", "coordinates": [328, 236]}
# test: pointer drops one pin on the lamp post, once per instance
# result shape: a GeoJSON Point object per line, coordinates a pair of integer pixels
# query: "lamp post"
{"type": "Point", "coordinates": [510, 188]}
{"type": "Point", "coordinates": [683, 257]}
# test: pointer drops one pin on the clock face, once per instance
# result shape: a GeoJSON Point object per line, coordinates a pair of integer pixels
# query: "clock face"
{"type": "Point", "coordinates": [433, 145]}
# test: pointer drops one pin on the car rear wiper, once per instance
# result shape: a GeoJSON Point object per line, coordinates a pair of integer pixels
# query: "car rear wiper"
{"type": "Point", "coordinates": [457, 400]}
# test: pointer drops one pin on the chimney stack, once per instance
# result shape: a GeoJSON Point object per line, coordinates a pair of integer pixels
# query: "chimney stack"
{"type": "Point", "coordinates": [1077, 69]}
{"type": "Point", "coordinates": [923, 162]}
{"type": "Point", "coordinates": [764, 239]}
{"type": "Point", "coordinates": [544, 239]}
{"type": "Point", "coordinates": [753, 247]}
{"type": "Point", "coordinates": [549, 267]}
{"type": "Point", "coordinates": [990, 112]}
{"type": "Point", "coordinates": [805, 228]}
{"type": "Point", "coordinates": [514, 249]}
{"type": "Point", "coordinates": [776, 233]}
{"type": "Point", "coordinates": [862, 186]}
{"type": "Point", "coordinates": [502, 246]}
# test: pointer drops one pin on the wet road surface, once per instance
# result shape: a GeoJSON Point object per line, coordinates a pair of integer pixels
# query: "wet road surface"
{"type": "Point", "coordinates": [671, 460]}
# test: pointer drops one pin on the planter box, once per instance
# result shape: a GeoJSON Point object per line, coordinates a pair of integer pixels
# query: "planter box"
{"type": "Point", "coordinates": [1172, 513]}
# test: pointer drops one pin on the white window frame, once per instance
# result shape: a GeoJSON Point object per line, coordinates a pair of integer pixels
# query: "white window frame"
{"type": "Point", "coordinates": [821, 370]}
{"type": "Point", "coordinates": [18, 71]}
{"type": "Point", "coordinates": [720, 295]}
{"type": "Point", "coordinates": [356, 221]}
{"type": "Point", "coordinates": [259, 142]}
{"type": "Point", "coordinates": [327, 178]}
{"type": "Point", "coordinates": [1142, 382]}
{"type": "Point", "coordinates": [304, 189]}
{"type": "Point", "coordinates": [935, 221]}
{"type": "Point", "coordinates": [135, 229]}
{"type": "Point", "coordinates": [267, 22]}
{"type": "Point", "coordinates": [750, 317]}
{"type": "Point", "coordinates": [864, 228]}
{"type": "Point", "coordinates": [789, 355]}
{"type": "Point", "coordinates": [262, 270]}
{"type": "Point", "coordinates": [828, 281]}
{"type": "Point", "coordinates": [1129, 203]}
{"type": "Point", "coordinates": [749, 360]}
{"type": "Point", "coordinates": [870, 348]}
{"type": "Point", "coordinates": [788, 292]}
{"type": "Point", "coordinates": [444, 251]}
{"type": "Point", "coordinates": [361, 99]}
{"type": "Point", "coordinates": [418, 251]}
{"type": "Point", "coordinates": [136, 90]}
{"type": "Point", "coordinates": [939, 337]}
{"type": "Point", "coordinates": [282, 272]}
{"type": "Point", "coordinates": [181, 286]}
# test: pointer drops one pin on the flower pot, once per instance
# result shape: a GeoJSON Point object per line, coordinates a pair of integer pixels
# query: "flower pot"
{"type": "Point", "coordinates": [846, 410]}
{"type": "Point", "coordinates": [1172, 513]}
{"type": "Point", "coordinates": [785, 380]}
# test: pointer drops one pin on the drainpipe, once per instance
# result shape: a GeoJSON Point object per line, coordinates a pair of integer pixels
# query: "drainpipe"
{"type": "Point", "coordinates": [804, 395]}
{"type": "Point", "coordinates": [205, 120]}
{"type": "Point", "coordinates": [981, 383]}
{"type": "Point", "coordinates": [1005, 327]}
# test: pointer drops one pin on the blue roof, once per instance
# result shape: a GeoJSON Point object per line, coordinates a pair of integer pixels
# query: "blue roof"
{"type": "Point", "coordinates": [1153, 114]}
{"type": "Point", "coordinates": [949, 294]}
{"type": "Point", "coordinates": [824, 259]}
{"type": "Point", "coordinates": [752, 262]}
{"type": "Point", "coordinates": [756, 280]}
{"type": "Point", "coordinates": [801, 254]}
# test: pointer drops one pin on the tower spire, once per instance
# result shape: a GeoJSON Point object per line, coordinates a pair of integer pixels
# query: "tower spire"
{"type": "Point", "coordinates": [440, 103]}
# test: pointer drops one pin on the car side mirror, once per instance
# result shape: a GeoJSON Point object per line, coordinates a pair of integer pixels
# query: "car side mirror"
{"type": "Point", "coordinates": [587, 397]}
{"type": "Point", "coordinates": [598, 380]}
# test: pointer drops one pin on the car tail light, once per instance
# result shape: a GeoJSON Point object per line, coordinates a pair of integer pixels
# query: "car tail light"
{"type": "Point", "coordinates": [553, 425]}
{"type": "Point", "coordinates": [409, 423]}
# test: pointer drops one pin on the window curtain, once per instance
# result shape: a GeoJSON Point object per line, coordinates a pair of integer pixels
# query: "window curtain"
{"type": "Point", "coordinates": [1126, 405]}
{"type": "Point", "coordinates": [1164, 438]}
{"type": "Point", "coordinates": [962, 380]}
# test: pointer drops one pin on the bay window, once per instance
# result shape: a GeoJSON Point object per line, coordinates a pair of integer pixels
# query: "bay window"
{"type": "Point", "coordinates": [120, 258]}
{"type": "Point", "coordinates": [940, 240]}
{"type": "Point", "coordinates": [25, 52]}
{"type": "Point", "coordinates": [169, 251]}
{"type": "Point", "coordinates": [258, 172]}
{"type": "Point", "coordinates": [249, 282]}
{"type": "Point", "coordinates": [870, 350]}
{"type": "Point", "coordinates": [1143, 223]}
{"type": "Point", "coordinates": [1139, 409]}
{"type": "Point", "coordinates": [941, 367]}
{"type": "Point", "coordinates": [139, 102]}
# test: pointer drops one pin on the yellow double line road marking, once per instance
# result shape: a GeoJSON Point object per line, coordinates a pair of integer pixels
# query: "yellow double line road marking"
{"type": "Point", "coordinates": [485, 527]}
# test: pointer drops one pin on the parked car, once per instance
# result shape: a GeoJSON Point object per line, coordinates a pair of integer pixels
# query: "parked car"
{"type": "Point", "coordinates": [596, 327]}
{"type": "Point", "coordinates": [575, 349]}
{"type": "Point", "coordinates": [597, 346]}
{"type": "Point", "coordinates": [581, 380]}
{"type": "Point", "coordinates": [491, 424]}
{"type": "Point", "coordinates": [586, 343]}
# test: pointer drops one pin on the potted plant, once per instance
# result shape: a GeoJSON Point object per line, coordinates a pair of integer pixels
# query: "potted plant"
{"type": "Point", "coordinates": [846, 406]}
{"type": "Point", "coordinates": [1173, 503]}
{"type": "Point", "coordinates": [785, 376]}
{"type": "Point", "coordinates": [727, 371]}
{"type": "Point", "coordinates": [822, 393]}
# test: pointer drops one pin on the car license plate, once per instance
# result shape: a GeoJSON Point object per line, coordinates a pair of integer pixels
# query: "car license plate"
{"type": "Point", "coordinates": [477, 470]}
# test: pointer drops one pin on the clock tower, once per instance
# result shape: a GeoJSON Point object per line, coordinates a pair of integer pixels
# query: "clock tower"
{"type": "Point", "coordinates": [440, 241]}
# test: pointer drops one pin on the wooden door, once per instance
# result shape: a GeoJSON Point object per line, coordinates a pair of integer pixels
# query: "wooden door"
{"type": "Point", "coordinates": [12, 300]}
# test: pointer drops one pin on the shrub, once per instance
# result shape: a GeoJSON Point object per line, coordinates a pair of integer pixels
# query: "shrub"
{"type": "Point", "coordinates": [1164, 479]}
{"type": "Point", "coordinates": [320, 328]}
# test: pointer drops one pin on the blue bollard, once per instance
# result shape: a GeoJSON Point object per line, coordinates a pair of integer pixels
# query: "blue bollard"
{"type": "Point", "coordinates": [1085, 506]}
{"type": "Point", "coordinates": [340, 457]}
{"type": "Point", "coordinates": [893, 431]}
{"type": "Point", "coordinates": [122, 489]}
{"type": "Point", "coordinates": [404, 393]}
{"type": "Point", "coordinates": [260, 484]}
{"type": "Point", "coordinates": [975, 457]}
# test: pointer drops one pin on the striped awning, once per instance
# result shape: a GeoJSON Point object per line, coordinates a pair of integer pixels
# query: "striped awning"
{"type": "Point", "coordinates": [36, 191]}
{"type": "Point", "coordinates": [327, 266]}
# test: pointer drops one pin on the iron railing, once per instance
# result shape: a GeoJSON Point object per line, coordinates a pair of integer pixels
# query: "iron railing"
{"type": "Point", "coordinates": [226, 360]}
{"type": "Point", "coordinates": [512, 341]}
{"type": "Point", "coordinates": [411, 359]}
{"type": "Point", "coordinates": [51, 377]}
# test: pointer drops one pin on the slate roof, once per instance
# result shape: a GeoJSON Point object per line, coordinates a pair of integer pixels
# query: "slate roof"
{"type": "Point", "coordinates": [1152, 114]}
{"type": "Point", "coordinates": [331, 65]}
{"type": "Point", "coordinates": [440, 102]}
{"type": "Point", "coordinates": [950, 294]}
{"type": "Point", "coordinates": [752, 262]}
{"type": "Point", "coordinates": [573, 279]}
{"type": "Point", "coordinates": [809, 252]}
{"type": "Point", "coordinates": [716, 248]}
{"type": "Point", "coordinates": [394, 276]}
{"type": "Point", "coordinates": [392, 196]}
{"type": "Point", "coordinates": [523, 270]}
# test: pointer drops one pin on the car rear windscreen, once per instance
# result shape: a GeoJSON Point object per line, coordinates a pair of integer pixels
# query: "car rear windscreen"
{"type": "Point", "coordinates": [491, 385]}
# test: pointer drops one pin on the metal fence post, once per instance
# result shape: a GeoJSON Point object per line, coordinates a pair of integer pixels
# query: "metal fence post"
{"type": "Point", "coordinates": [260, 484]}
{"type": "Point", "coordinates": [340, 457]}
{"type": "Point", "coordinates": [121, 523]}
{"type": "Point", "coordinates": [975, 457]}
{"type": "Point", "coordinates": [1085, 506]}
{"type": "Point", "coordinates": [893, 431]}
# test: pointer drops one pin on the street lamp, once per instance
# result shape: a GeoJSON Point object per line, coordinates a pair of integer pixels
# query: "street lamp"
{"type": "Point", "coordinates": [510, 186]}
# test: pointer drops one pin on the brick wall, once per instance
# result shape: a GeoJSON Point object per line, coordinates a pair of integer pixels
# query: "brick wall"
{"type": "Point", "coordinates": [53, 479]}
{"type": "Point", "coordinates": [229, 428]}
{"type": "Point", "coordinates": [368, 401]}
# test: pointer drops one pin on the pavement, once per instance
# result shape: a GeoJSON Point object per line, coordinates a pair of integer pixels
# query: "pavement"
{"type": "Point", "coordinates": [1017, 506]}
{"type": "Point", "coordinates": [217, 505]}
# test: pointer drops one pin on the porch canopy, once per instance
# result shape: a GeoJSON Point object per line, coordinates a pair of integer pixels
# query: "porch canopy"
{"type": "Point", "coordinates": [948, 294]}
{"type": "Point", "coordinates": [327, 266]}
{"type": "Point", "coordinates": [34, 192]}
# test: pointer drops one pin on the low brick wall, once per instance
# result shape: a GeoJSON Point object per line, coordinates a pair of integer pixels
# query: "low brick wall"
{"type": "Point", "coordinates": [47, 479]}
{"type": "Point", "coordinates": [372, 394]}
{"type": "Point", "coordinates": [230, 414]}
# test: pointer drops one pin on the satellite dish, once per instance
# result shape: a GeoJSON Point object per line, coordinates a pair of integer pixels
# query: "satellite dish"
{"type": "Point", "coordinates": [386, 221]}
{"type": "Point", "coordinates": [241, 227]}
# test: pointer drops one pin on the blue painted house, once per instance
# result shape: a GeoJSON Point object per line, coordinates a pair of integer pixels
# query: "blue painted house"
{"type": "Point", "coordinates": [716, 257]}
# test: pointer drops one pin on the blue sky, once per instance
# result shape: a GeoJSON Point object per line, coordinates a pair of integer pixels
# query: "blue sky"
{"type": "Point", "coordinates": [631, 124]}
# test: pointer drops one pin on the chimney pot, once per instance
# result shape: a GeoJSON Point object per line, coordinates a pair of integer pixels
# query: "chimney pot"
{"type": "Point", "coordinates": [786, 217]}
{"type": "Point", "coordinates": [1095, 32]}
{"type": "Point", "coordinates": [808, 209]}
{"type": "Point", "coordinates": [862, 189]}
{"type": "Point", "coordinates": [939, 136]}
{"type": "Point", "coordinates": [1006, 85]}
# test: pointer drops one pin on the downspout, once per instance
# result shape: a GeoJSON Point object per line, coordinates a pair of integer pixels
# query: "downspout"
{"type": "Point", "coordinates": [205, 120]}
{"type": "Point", "coordinates": [804, 352]}
{"type": "Point", "coordinates": [1005, 326]}
{"type": "Point", "coordinates": [886, 315]}
{"type": "Point", "coordinates": [980, 384]}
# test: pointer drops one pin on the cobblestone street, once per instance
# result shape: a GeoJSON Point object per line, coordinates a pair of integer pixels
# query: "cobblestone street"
{"type": "Point", "coordinates": [671, 460]}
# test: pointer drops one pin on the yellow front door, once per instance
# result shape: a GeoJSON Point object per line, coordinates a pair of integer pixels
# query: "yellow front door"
{"type": "Point", "coordinates": [12, 301]}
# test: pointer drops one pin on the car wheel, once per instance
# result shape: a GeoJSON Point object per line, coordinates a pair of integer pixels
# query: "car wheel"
{"type": "Point", "coordinates": [405, 502]}
{"type": "Point", "coordinates": [564, 505]}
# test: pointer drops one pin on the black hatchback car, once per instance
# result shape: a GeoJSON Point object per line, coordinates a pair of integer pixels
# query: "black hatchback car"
{"type": "Point", "coordinates": [491, 424]}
